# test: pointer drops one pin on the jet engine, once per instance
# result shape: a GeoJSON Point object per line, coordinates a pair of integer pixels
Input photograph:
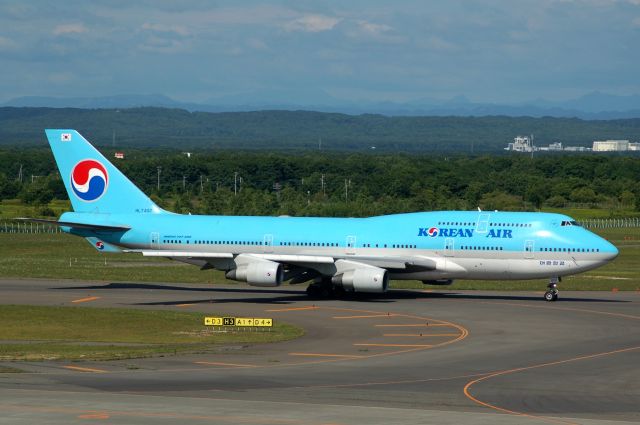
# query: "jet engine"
{"type": "Point", "coordinates": [369, 279]}
{"type": "Point", "coordinates": [257, 272]}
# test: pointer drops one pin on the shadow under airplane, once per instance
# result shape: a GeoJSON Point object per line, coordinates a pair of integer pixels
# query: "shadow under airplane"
{"type": "Point", "coordinates": [287, 296]}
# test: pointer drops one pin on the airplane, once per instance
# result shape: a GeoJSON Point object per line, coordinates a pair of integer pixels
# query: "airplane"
{"type": "Point", "coordinates": [336, 255]}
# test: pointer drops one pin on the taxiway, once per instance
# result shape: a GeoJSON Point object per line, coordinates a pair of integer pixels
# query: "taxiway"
{"type": "Point", "coordinates": [407, 357]}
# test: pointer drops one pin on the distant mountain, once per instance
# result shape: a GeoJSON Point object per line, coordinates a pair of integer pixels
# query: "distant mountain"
{"type": "Point", "coordinates": [594, 105]}
{"type": "Point", "coordinates": [596, 102]}
{"type": "Point", "coordinates": [300, 130]}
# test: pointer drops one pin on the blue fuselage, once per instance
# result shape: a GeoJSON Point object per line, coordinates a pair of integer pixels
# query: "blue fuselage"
{"type": "Point", "coordinates": [472, 245]}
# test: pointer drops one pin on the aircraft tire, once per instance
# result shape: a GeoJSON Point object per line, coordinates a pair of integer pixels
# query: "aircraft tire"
{"type": "Point", "coordinates": [550, 296]}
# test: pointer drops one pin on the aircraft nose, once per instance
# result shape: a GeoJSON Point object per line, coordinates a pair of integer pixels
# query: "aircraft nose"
{"type": "Point", "coordinates": [611, 251]}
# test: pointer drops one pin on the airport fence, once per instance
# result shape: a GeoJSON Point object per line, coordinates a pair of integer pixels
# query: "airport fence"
{"type": "Point", "coordinates": [14, 226]}
{"type": "Point", "coordinates": [610, 223]}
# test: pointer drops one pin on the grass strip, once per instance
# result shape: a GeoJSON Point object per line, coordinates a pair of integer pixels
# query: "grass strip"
{"type": "Point", "coordinates": [50, 333]}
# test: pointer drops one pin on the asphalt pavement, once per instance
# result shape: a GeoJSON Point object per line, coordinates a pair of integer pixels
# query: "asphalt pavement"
{"type": "Point", "coordinates": [406, 357]}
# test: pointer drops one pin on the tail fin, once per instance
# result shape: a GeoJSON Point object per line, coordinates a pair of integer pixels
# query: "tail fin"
{"type": "Point", "coordinates": [93, 183]}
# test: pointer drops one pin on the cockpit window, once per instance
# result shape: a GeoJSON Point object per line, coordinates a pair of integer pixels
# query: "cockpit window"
{"type": "Point", "coordinates": [569, 223]}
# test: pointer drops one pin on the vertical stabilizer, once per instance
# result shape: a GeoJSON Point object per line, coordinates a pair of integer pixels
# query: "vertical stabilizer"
{"type": "Point", "coordinates": [93, 183]}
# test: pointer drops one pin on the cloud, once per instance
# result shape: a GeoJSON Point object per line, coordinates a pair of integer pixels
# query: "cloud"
{"type": "Point", "coordinates": [162, 45]}
{"type": "Point", "coordinates": [60, 77]}
{"type": "Point", "coordinates": [75, 28]}
{"type": "Point", "coordinates": [165, 38]}
{"type": "Point", "coordinates": [438, 43]}
{"type": "Point", "coordinates": [257, 44]}
{"type": "Point", "coordinates": [7, 44]}
{"type": "Point", "coordinates": [373, 29]}
{"type": "Point", "coordinates": [175, 29]}
{"type": "Point", "coordinates": [365, 30]}
{"type": "Point", "coordinates": [312, 23]}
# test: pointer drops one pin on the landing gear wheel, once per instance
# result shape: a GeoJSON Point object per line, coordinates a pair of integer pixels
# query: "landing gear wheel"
{"type": "Point", "coordinates": [552, 293]}
{"type": "Point", "coordinates": [314, 291]}
{"type": "Point", "coordinates": [320, 291]}
{"type": "Point", "coordinates": [339, 292]}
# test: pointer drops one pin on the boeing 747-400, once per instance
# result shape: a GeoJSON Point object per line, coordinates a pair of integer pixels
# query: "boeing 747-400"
{"type": "Point", "coordinates": [334, 254]}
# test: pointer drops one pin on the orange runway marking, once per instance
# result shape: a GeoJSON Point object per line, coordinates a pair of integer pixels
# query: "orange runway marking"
{"type": "Point", "coordinates": [96, 415]}
{"type": "Point", "coordinates": [394, 345]}
{"type": "Point", "coordinates": [520, 369]}
{"type": "Point", "coordinates": [84, 300]}
{"type": "Point", "coordinates": [326, 355]}
{"type": "Point", "coordinates": [311, 307]}
{"type": "Point", "coordinates": [225, 364]}
{"type": "Point", "coordinates": [414, 325]}
{"type": "Point", "coordinates": [367, 316]}
{"type": "Point", "coordinates": [235, 419]}
{"type": "Point", "coordinates": [85, 369]}
{"type": "Point", "coordinates": [405, 381]}
{"type": "Point", "coordinates": [582, 310]}
{"type": "Point", "coordinates": [420, 335]}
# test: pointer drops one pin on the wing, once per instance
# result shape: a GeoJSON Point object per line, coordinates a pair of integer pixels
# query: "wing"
{"type": "Point", "coordinates": [318, 263]}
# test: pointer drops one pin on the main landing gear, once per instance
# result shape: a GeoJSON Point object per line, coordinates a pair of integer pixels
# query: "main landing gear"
{"type": "Point", "coordinates": [552, 293]}
{"type": "Point", "coordinates": [324, 289]}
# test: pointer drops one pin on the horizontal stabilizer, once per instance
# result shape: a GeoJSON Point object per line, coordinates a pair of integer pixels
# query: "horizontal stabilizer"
{"type": "Point", "coordinates": [102, 246]}
{"type": "Point", "coordinates": [88, 226]}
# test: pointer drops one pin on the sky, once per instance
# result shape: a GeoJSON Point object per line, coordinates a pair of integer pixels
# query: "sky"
{"type": "Point", "coordinates": [314, 52]}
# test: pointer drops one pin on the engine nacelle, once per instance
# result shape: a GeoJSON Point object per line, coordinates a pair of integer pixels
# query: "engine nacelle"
{"type": "Point", "coordinates": [366, 279]}
{"type": "Point", "coordinates": [258, 272]}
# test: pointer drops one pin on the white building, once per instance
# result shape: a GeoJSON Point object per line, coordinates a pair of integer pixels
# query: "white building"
{"type": "Point", "coordinates": [634, 146]}
{"type": "Point", "coordinates": [555, 146]}
{"type": "Point", "coordinates": [577, 149]}
{"type": "Point", "coordinates": [610, 145]}
{"type": "Point", "coordinates": [521, 144]}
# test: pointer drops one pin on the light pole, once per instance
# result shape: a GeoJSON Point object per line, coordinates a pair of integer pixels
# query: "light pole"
{"type": "Point", "coordinates": [235, 183]}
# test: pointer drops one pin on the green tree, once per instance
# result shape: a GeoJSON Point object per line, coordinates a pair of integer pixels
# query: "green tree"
{"type": "Point", "coordinates": [583, 195]}
{"type": "Point", "coordinates": [501, 201]}
{"type": "Point", "coordinates": [627, 198]}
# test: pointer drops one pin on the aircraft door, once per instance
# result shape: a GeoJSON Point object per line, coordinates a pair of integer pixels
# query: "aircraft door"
{"type": "Point", "coordinates": [483, 223]}
{"type": "Point", "coordinates": [267, 245]}
{"type": "Point", "coordinates": [154, 240]}
{"type": "Point", "coordinates": [351, 244]}
{"type": "Point", "coordinates": [528, 249]}
{"type": "Point", "coordinates": [449, 246]}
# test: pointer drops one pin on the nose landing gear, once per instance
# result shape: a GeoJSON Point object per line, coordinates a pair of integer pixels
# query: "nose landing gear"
{"type": "Point", "coordinates": [552, 293]}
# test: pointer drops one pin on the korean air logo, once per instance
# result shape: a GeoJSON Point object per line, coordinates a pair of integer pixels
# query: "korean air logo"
{"type": "Point", "coordinates": [433, 232]}
{"type": "Point", "coordinates": [100, 245]}
{"type": "Point", "coordinates": [89, 180]}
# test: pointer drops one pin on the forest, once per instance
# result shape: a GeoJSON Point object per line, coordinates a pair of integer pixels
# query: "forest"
{"type": "Point", "coordinates": [303, 130]}
{"type": "Point", "coordinates": [343, 184]}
